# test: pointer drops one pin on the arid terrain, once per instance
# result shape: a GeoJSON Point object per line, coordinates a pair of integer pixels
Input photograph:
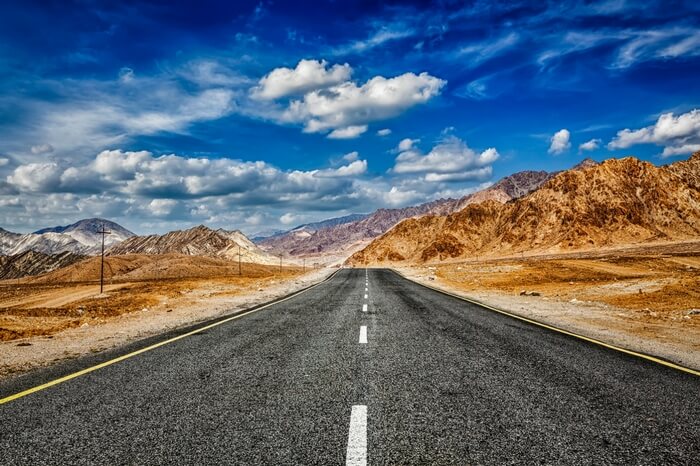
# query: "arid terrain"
{"type": "Point", "coordinates": [61, 314]}
{"type": "Point", "coordinates": [645, 298]}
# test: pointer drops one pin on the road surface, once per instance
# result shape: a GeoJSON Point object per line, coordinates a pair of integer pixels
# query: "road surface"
{"type": "Point", "coordinates": [365, 367]}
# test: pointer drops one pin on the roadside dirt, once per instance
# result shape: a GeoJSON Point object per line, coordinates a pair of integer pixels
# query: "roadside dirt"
{"type": "Point", "coordinates": [638, 298]}
{"type": "Point", "coordinates": [42, 323]}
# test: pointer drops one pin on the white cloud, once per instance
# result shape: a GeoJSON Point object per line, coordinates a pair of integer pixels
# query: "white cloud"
{"type": "Point", "coordinates": [658, 44]}
{"type": "Point", "coordinates": [351, 156]}
{"type": "Point", "coordinates": [355, 168]}
{"type": "Point", "coordinates": [450, 160]}
{"type": "Point", "coordinates": [680, 150]}
{"type": "Point", "coordinates": [679, 134]}
{"type": "Point", "coordinates": [382, 35]}
{"type": "Point", "coordinates": [407, 144]}
{"type": "Point", "coordinates": [483, 51]}
{"type": "Point", "coordinates": [4, 161]}
{"type": "Point", "coordinates": [288, 218]}
{"type": "Point", "coordinates": [36, 177]}
{"type": "Point", "coordinates": [126, 75]}
{"type": "Point", "coordinates": [349, 132]}
{"type": "Point", "coordinates": [593, 144]}
{"type": "Point", "coordinates": [560, 142]}
{"type": "Point", "coordinates": [384, 132]}
{"type": "Point", "coordinates": [347, 104]}
{"type": "Point", "coordinates": [162, 207]}
{"type": "Point", "coordinates": [308, 75]}
{"type": "Point", "coordinates": [42, 149]}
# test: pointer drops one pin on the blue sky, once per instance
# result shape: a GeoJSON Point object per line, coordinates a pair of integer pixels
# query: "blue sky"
{"type": "Point", "coordinates": [257, 115]}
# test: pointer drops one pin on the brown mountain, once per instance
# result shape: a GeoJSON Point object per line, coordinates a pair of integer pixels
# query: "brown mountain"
{"type": "Point", "coordinates": [34, 263]}
{"type": "Point", "coordinates": [616, 202]}
{"type": "Point", "coordinates": [351, 236]}
{"type": "Point", "coordinates": [197, 241]}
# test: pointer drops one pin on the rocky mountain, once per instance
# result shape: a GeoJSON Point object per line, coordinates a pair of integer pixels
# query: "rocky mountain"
{"type": "Point", "coordinates": [78, 238]}
{"type": "Point", "coordinates": [349, 236]}
{"type": "Point", "coordinates": [35, 263]}
{"type": "Point", "coordinates": [86, 232]}
{"type": "Point", "coordinates": [197, 241]}
{"type": "Point", "coordinates": [619, 201]}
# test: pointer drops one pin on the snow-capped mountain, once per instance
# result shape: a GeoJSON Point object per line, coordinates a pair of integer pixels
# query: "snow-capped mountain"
{"type": "Point", "coordinates": [81, 237]}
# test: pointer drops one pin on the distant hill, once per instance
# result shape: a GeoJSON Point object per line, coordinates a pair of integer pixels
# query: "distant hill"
{"type": "Point", "coordinates": [35, 263]}
{"type": "Point", "coordinates": [348, 236]}
{"type": "Point", "coordinates": [619, 201]}
{"type": "Point", "coordinates": [78, 238]}
{"type": "Point", "coordinates": [197, 241]}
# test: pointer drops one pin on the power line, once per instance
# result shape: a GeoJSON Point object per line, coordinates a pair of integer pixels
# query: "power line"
{"type": "Point", "coordinates": [102, 261]}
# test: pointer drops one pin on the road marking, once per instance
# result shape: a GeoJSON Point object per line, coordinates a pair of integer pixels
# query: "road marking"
{"type": "Point", "coordinates": [365, 296]}
{"type": "Point", "coordinates": [363, 334]}
{"type": "Point", "coordinates": [366, 289]}
{"type": "Point", "coordinates": [154, 346]}
{"type": "Point", "coordinates": [560, 330]}
{"type": "Point", "coordinates": [357, 437]}
{"type": "Point", "coordinates": [364, 308]}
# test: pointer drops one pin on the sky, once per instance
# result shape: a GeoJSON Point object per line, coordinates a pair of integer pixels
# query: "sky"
{"type": "Point", "coordinates": [265, 115]}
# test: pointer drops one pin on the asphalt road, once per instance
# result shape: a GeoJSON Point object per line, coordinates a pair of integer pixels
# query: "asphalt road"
{"type": "Point", "coordinates": [438, 381]}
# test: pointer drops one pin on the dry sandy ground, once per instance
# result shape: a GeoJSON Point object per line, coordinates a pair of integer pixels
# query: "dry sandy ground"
{"type": "Point", "coordinates": [45, 324]}
{"type": "Point", "coordinates": [637, 299]}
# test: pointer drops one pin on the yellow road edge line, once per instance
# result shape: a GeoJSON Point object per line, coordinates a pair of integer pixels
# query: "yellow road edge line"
{"type": "Point", "coordinates": [648, 357]}
{"type": "Point", "coordinates": [123, 357]}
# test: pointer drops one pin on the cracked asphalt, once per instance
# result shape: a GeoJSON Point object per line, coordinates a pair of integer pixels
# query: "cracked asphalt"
{"type": "Point", "coordinates": [444, 381]}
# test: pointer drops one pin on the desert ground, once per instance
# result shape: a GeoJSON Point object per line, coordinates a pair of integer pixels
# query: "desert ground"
{"type": "Point", "coordinates": [63, 315]}
{"type": "Point", "coordinates": [645, 298]}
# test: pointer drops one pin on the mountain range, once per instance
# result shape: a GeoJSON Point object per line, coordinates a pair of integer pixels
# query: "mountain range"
{"type": "Point", "coordinates": [80, 238]}
{"type": "Point", "coordinates": [197, 241]}
{"type": "Point", "coordinates": [619, 201]}
{"type": "Point", "coordinates": [347, 236]}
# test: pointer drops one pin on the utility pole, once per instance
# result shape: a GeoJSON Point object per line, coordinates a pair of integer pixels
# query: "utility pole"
{"type": "Point", "coordinates": [102, 261]}
{"type": "Point", "coordinates": [280, 265]}
{"type": "Point", "coordinates": [239, 259]}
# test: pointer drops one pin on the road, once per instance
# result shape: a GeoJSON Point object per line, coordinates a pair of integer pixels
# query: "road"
{"type": "Point", "coordinates": [430, 380]}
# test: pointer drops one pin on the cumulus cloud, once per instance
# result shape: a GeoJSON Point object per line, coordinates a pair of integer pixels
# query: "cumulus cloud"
{"type": "Point", "coordinates": [307, 76]}
{"type": "Point", "coordinates": [349, 132]}
{"type": "Point", "coordinates": [288, 218]}
{"type": "Point", "coordinates": [355, 168]}
{"type": "Point", "coordinates": [450, 160]}
{"type": "Point", "coordinates": [679, 134]}
{"type": "Point", "coordinates": [593, 144]}
{"type": "Point", "coordinates": [560, 142]}
{"type": "Point", "coordinates": [384, 132]}
{"type": "Point", "coordinates": [407, 144]}
{"type": "Point", "coordinates": [684, 149]}
{"type": "Point", "coordinates": [348, 104]}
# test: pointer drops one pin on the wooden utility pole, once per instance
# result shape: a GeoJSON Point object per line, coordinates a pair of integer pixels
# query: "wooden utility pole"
{"type": "Point", "coordinates": [102, 261]}
{"type": "Point", "coordinates": [280, 265]}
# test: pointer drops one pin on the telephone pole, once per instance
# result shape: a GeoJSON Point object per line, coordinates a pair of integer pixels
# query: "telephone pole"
{"type": "Point", "coordinates": [239, 259]}
{"type": "Point", "coordinates": [280, 265]}
{"type": "Point", "coordinates": [102, 260]}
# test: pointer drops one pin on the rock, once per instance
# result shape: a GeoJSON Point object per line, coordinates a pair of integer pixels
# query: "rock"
{"type": "Point", "coordinates": [24, 343]}
{"type": "Point", "coordinates": [574, 301]}
{"type": "Point", "coordinates": [523, 293]}
{"type": "Point", "coordinates": [431, 278]}
{"type": "Point", "coordinates": [693, 312]}
{"type": "Point", "coordinates": [169, 310]}
{"type": "Point", "coordinates": [571, 283]}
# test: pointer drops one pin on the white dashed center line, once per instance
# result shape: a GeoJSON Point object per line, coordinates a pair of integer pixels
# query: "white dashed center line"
{"type": "Point", "coordinates": [363, 334]}
{"type": "Point", "coordinates": [364, 308]}
{"type": "Point", "coordinates": [365, 296]}
{"type": "Point", "coordinates": [357, 437]}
